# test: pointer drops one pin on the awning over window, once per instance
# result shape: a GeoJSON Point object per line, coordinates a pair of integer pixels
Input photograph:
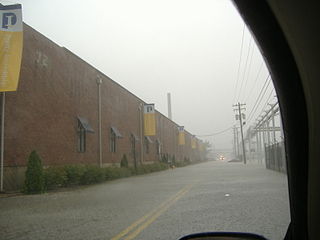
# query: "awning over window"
{"type": "Point", "coordinates": [148, 139]}
{"type": "Point", "coordinates": [116, 132]}
{"type": "Point", "coordinates": [135, 137]}
{"type": "Point", "coordinates": [85, 124]}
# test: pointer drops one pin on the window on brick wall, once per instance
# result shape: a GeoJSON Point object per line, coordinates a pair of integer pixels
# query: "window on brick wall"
{"type": "Point", "coordinates": [114, 135]}
{"type": "Point", "coordinates": [133, 144]}
{"type": "Point", "coordinates": [146, 145]}
{"type": "Point", "coordinates": [147, 142]}
{"type": "Point", "coordinates": [81, 139]}
{"type": "Point", "coordinates": [83, 128]}
{"type": "Point", "coordinates": [113, 141]}
{"type": "Point", "coordinates": [158, 147]}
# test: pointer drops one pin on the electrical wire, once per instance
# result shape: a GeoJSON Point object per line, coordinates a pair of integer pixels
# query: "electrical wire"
{"type": "Point", "coordinates": [245, 69]}
{"type": "Point", "coordinates": [267, 101]}
{"type": "Point", "coordinates": [248, 72]}
{"type": "Point", "coordinates": [249, 119]}
{"type": "Point", "coordinates": [266, 104]}
{"type": "Point", "coordinates": [238, 73]}
{"type": "Point", "coordinates": [255, 82]}
{"type": "Point", "coordinates": [260, 96]}
{"type": "Point", "coordinates": [213, 134]}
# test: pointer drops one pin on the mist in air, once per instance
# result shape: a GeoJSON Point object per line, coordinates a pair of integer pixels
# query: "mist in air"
{"type": "Point", "coordinates": [199, 51]}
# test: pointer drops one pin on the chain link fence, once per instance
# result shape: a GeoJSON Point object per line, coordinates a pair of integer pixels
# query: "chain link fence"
{"type": "Point", "coordinates": [275, 157]}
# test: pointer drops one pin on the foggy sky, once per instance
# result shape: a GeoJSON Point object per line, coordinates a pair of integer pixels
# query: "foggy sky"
{"type": "Point", "coordinates": [190, 48]}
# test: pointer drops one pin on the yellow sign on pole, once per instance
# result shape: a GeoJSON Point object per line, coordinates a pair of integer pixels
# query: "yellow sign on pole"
{"type": "Point", "coordinates": [11, 41]}
{"type": "Point", "coordinates": [200, 146]}
{"type": "Point", "coordinates": [181, 137]}
{"type": "Point", "coordinates": [149, 120]}
{"type": "Point", "coordinates": [193, 142]}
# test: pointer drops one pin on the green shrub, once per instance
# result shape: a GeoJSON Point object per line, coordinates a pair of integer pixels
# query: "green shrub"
{"type": "Point", "coordinates": [164, 158]}
{"type": "Point", "coordinates": [186, 160]}
{"type": "Point", "coordinates": [34, 181]}
{"type": "Point", "coordinates": [124, 162]}
{"type": "Point", "coordinates": [55, 177]}
{"type": "Point", "coordinates": [162, 166]}
{"type": "Point", "coordinates": [139, 170]}
{"type": "Point", "coordinates": [148, 168]}
{"type": "Point", "coordinates": [173, 159]}
{"type": "Point", "coordinates": [125, 172]}
{"type": "Point", "coordinates": [92, 174]}
{"type": "Point", "coordinates": [74, 174]}
{"type": "Point", "coordinates": [114, 173]}
{"type": "Point", "coordinates": [181, 164]}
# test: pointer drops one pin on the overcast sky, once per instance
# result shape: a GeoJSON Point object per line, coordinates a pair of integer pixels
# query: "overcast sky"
{"type": "Point", "coordinates": [190, 48]}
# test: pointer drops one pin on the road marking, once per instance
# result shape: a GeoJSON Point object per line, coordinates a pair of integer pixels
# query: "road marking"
{"type": "Point", "coordinates": [150, 217]}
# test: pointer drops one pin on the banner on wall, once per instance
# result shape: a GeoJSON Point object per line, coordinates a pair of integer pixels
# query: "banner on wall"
{"type": "Point", "coordinates": [200, 146]}
{"type": "Point", "coordinates": [181, 136]}
{"type": "Point", "coordinates": [11, 42]}
{"type": "Point", "coordinates": [149, 117]}
{"type": "Point", "coordinates": [193, 142]}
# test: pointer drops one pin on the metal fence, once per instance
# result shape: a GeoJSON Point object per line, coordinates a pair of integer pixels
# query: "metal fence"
{"type": "Point", "coordinates": [275, 157]}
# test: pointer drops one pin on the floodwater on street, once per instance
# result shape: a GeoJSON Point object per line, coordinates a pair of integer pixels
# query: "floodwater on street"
{"type": "Point", "coordinates": [211, 196]}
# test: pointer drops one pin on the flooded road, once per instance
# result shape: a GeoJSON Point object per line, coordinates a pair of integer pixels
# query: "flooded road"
{"type": "Point", "coordinates": [212, 196]}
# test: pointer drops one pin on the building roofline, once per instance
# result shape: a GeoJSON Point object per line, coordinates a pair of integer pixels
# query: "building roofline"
{"type": "Point", "coordinates": [100, 72]}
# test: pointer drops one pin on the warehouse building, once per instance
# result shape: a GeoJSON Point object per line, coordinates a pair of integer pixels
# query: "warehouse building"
{"type": "Point", "coordinates": [55, 111]}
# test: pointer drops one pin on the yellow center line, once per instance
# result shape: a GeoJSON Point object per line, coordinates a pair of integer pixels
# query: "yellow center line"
{"type": "Point", "coordinates": [151, 216]}
{"type": "Point", "coordinates": [155, 216]}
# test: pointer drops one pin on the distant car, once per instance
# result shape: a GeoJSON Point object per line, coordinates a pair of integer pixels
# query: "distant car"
{"type": "Point", "coordinates": [221, 158]}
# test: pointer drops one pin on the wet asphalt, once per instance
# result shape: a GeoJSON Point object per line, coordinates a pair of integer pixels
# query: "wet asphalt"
{"type": "Point", "coordinates": [211, 196]}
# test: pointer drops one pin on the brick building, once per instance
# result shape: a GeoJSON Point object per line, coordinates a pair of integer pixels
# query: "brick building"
{"type": "Point", "coordinates": [55, 112]}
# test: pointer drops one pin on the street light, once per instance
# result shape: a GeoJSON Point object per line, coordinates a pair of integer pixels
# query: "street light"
{"type": "Point", "coordinates": [99, 82]}
{"type": "Point", "coordinates": [141, 131]}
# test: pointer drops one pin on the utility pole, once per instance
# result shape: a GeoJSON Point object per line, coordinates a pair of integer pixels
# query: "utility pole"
{"type": "Point", "coordinates": [2, 139]}
{"type": "Point", "coordinates": [273, 127]}
{"type": "Point", "coordinates": [234, 141]}
{"type": "Point", "coordinates": [257, 145]}
{"type": "Point", "coordinates": [249, 143]}
{"type": "Point", "coordinates": [273, 113]}
{"type": "Point", "coordinates": [141, 109]}
{"type": "Point", "coordinates": [238, 109]}
{"type": "Point", "coordinates": [237, 142]}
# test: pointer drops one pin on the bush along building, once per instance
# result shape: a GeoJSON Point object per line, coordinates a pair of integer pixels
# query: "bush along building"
{"type": "Point", "coordinates": [71, 113]}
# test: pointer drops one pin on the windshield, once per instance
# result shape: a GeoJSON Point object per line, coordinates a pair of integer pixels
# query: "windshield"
{"type": "Point", "coordinates": [140, 120]}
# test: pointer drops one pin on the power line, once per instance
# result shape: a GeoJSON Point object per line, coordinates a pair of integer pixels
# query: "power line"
{"type": "Point", "coordinates": [255, 82]}
{"type": "Point", "coordinates": [260, 95]}
{"type": "Point", "coordinates": [213, 134]}
{"type": "Point", "coordinates": [268, 99]}
{"type": "Point", "coordinates": [249, 68]}
{"type": "Point", "coordinates": [264, 105]}
{"type": "Point", "coordinates": [256, 108]}
{"type": "Point", "coordinates": [238, 74]}
{"type": "Point", "coordinates": [245, 67]}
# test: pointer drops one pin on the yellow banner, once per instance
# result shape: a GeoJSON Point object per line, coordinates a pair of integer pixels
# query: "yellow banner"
{"type": "Point", "coordinates": [181, 136]}
{"type": "Point", "coordinates": [149, 120]}
{"type": "Point", "coordinates": [200, 146]}
{"type": "Point", "coordinates": [11, 41]}
{"type": "Point", "coordinates": [193, 142]}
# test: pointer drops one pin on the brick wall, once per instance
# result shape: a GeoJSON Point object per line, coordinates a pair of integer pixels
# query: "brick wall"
{"type": "Point", "coordinates": [55, 88]}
